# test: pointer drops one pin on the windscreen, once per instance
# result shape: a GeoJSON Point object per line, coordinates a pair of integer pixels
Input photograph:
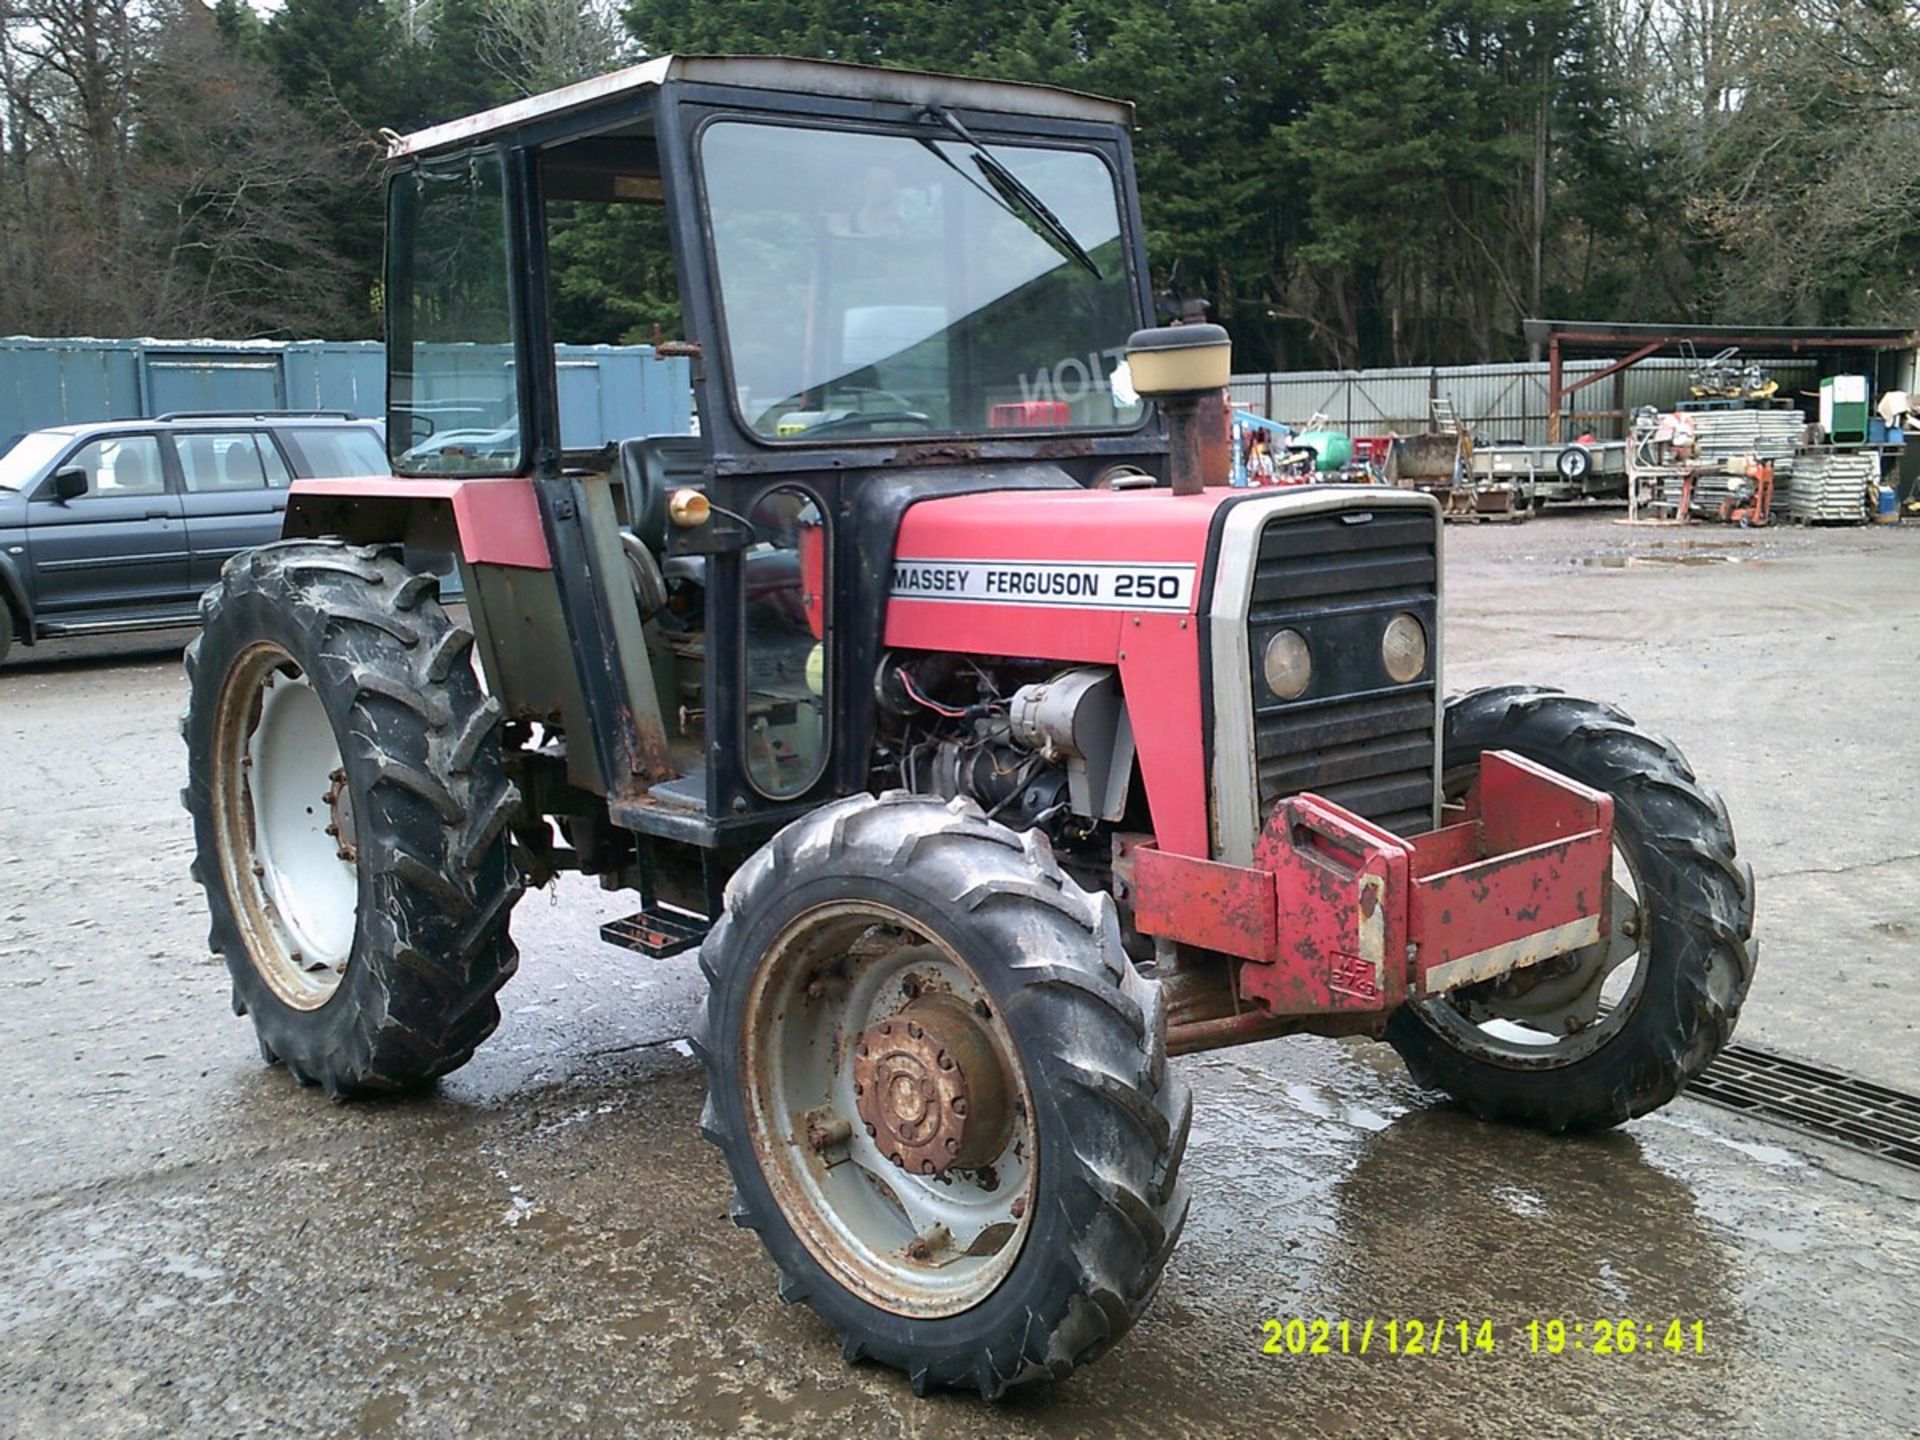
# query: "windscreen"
{"type": "Point", "coordinates": [897, 284]}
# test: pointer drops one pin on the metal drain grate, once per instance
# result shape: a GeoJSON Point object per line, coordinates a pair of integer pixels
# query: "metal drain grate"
{"type": "Point", "coordinates": [1817, 1101]}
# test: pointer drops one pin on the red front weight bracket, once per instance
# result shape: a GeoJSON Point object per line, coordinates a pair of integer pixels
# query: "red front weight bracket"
{"type": "Point", "coordinates": [1339, 915]}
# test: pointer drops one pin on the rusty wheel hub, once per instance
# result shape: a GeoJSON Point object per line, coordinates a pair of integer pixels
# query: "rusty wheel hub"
{"type": "Point", "coordinates": [931, 1088]}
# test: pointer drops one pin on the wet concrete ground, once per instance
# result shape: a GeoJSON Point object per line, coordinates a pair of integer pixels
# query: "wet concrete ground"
{"type": "Point", "coordinates": [195, 1246]}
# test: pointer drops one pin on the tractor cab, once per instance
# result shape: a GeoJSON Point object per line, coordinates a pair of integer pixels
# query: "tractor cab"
{"type": "Point", "coordinates": [890, 286]}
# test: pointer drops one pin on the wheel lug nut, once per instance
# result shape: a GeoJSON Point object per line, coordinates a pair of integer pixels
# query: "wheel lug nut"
{"type": "Point", "coordinates": [871, 1132]}
{"type": "Point", "coordinates": [1019, 1206]}
{"type": "Point", "coordinates": [826, 1132]}
{"type": "Point", "coordinates": [914, 1031]}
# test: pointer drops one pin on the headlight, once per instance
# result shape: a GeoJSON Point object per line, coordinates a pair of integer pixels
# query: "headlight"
{"type": "Point", "coordinates": [1403, 649]}
{"type": "Point", "coordinates": [1288, 664]}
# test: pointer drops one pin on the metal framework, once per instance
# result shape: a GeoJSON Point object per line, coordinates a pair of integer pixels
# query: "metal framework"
{"type": "Point", "coordinates": [1629, 344]}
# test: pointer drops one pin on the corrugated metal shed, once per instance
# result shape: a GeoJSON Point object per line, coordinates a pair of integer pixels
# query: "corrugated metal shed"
{"type": "Point", "coordinates": [607, 392]}
{"type": "Point", "coordinates": [1496, 402]}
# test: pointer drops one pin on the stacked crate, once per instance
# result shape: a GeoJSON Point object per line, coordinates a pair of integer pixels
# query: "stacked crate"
{"type": "Point", "coordinates": [1831, 485]}
{"type": "Point", "coordinates": [1735, 434]}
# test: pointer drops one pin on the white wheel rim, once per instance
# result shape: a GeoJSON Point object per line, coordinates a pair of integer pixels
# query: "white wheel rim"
{"type": "Point", "coordinates": [1571, 1017]}
{"type": "Point", "coordinates": [287, 836]}
{"type": "Point", "coordinates": [857, 1213]}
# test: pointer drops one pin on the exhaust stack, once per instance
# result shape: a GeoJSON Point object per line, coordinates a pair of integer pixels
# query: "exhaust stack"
{"type": "Point", "coordinates": [1185, 368]}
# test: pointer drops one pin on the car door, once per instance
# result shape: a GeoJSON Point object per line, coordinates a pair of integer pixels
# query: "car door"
{"type": "Point", "coordinates": [119, 550]}
{"type": "Point", "coordinates": [234, 490]}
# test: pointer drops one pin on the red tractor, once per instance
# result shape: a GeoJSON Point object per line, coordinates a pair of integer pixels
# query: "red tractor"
{"type": "Point", "coordinates": [989, 747]}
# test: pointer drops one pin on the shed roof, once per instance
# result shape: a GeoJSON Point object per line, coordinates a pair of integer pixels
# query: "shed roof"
{"type": "Point", "coordinates": [1617, 337]}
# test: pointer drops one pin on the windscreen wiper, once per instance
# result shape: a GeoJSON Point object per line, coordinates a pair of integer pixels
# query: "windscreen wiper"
{"type": "Point", "coordinates": [1014, 193]}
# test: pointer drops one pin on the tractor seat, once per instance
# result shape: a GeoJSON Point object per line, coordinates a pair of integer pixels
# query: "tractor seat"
{"type": "Point", "coordinates": [650, 469]}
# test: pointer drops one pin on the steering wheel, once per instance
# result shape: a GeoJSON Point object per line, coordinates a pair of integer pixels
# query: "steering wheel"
{"type": "Point", "coordinates": [866, 420]}
{"type": "Point", "coordinates": [900, 410]}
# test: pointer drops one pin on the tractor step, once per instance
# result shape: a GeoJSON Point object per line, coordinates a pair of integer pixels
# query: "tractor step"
{"type": "Point", "coordinates": [659, 932]}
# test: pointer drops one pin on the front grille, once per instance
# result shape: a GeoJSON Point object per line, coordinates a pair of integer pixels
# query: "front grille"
{"type": "Point", "coordinates": [1355, 736]}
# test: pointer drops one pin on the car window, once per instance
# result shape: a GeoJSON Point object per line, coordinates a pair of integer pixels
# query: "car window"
{"type": "Point", "coordinates": [240, 461]}
{"type": "Point", "coordinates": [123, 465]}
{"type": "Point", "coordinates": [337, 453]}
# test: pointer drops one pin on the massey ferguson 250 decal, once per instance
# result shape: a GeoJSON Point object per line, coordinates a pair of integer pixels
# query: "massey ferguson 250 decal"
{"type": "Point", "coordinates": [1079, 584]}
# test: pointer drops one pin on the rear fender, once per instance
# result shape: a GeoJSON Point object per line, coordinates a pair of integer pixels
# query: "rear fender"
{"type": "Point", "coordinates": [515, 606]}
{"type": "Point", "coordinates": [493, 521]}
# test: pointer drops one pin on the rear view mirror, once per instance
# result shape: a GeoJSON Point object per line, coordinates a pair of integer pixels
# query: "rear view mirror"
{"type": "Point", "coordinates": [69, 485]}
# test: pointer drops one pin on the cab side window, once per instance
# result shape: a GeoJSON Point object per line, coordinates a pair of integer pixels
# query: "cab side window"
{"type": "Point", "coordinates": [123, 465]}
{"type": "Point", "coordinates": [242, 461]}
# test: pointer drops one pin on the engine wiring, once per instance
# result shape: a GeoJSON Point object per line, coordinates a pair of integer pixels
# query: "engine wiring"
{"type": "Point", "coordinates": [915, 694]}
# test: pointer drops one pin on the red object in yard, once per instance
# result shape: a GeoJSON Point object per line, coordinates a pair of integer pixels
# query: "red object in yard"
{"type": "Point", "coordinates": [1030, 415]}
{"type": "Point", "coordinates": [1339, 915]}
{"type": "Point", "coordinates": [496, 517]}
{"type": "Point", "coordinates": [813, 575]}
{"type": "Point", "coordinates": [1372, 449]}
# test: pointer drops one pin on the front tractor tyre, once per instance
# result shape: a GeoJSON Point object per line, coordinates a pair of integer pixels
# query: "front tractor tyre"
{"type": "Point", "coordinates": [1596, 1037]}
{"type": "Point", "coordinates": [349, 813]}
{"type": "Point", "coordinates": [941, 1088]}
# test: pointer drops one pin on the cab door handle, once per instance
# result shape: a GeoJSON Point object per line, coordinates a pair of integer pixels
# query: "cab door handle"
{"type": "Point", "coordinates": [159, 515]}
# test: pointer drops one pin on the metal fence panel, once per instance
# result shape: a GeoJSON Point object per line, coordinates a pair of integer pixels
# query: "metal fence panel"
{"type": "Point", "coordinates": [1495, 402]}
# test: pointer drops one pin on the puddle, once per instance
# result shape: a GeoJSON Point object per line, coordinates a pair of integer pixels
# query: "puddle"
{"type": "Point", "coordinates": [1635, 562]}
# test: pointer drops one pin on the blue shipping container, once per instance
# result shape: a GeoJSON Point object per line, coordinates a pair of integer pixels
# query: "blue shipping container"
{"type": "Point", "coordinates": [607, 392]}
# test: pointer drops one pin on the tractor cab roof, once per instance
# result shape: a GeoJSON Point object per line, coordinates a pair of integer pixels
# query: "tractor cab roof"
{"type": "Point", "coordinates": [823, 78]}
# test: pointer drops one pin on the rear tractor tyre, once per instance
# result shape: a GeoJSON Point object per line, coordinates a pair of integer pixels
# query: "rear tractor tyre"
{"type": "Point", "coordinates": [349, 812]}
{"type": "Point", "coordinates": [1597, 1037]}
{"type": "Point", "coordinates": [941, 1089]}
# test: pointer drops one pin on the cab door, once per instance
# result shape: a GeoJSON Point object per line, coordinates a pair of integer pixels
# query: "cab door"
{"type": "Point", "coordinates": [234, 492]}
{"type": "Point", "coordinates": [116, 551]}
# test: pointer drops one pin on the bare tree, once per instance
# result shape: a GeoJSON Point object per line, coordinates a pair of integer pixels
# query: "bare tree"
{"type": "Point", "coordinates": [538, 44]}
{"type": "Point", "coordinates": [156, 183]}
{"type": "Point", "coordinates": [233, 185]}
